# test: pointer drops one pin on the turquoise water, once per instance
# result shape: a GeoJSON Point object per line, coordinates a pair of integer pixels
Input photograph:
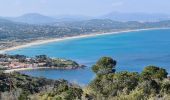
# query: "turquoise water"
{"type": "Point", "coordinates": [132, 50]}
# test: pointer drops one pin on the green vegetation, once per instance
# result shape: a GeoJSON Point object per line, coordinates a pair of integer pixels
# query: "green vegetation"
{"type": "Point", "coordinates": [57, 62]}
{"type": "Point", "coordinates": [65, 64]}
{"type": "Point", "coordinates": [61, 92]}
{"type": "Point", "coordinates": [154, 72]}
{"type": "Point", "coordinates": [151, 84]}
{"type": "Point", "coordinates": [16, 86]}
{"type": "Point", "coordinates": [104, 65]}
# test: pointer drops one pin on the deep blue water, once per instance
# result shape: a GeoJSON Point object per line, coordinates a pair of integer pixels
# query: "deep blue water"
{"type": "Point", "coordinates": [132, 50]}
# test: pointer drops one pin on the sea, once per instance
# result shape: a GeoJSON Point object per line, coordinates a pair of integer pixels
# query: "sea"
{"type": "Point", "coordinates": [132, 51]}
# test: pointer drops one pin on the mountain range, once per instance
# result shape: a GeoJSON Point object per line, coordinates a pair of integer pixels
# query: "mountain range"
{"type": "Point", "coordinates": [35, 18]}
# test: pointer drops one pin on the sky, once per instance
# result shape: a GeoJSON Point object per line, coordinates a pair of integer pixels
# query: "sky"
{"type": "Point", "coordinates": [81, 7]}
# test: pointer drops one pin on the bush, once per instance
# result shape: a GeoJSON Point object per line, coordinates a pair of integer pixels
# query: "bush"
{"type": "Point", "coordinates": [154, 72]}
{"type": "Point", "coordinates": [165, 86]}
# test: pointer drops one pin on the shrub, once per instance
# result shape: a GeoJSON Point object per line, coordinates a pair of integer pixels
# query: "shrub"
{"type": "Point", "coordinates": [154, 72]}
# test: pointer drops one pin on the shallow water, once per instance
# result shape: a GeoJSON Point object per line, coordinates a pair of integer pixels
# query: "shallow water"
{"type": "Point", "coordinates": [132, 50]}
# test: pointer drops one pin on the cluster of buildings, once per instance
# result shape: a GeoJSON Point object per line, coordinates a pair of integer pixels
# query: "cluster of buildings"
{"type": "Point", "coordinates": [13, 63]}
{"type": "Point", "coordinates": [9, 63]}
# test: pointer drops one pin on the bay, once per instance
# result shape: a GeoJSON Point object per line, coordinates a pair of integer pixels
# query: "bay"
{"type": "Point", "coordinates": [132, 50]}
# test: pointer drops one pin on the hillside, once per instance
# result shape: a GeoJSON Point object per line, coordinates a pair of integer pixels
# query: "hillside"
{"type": "Point", "coordinates": [39, 19]}
{"type": "Point", "coordinates": [33, 18]}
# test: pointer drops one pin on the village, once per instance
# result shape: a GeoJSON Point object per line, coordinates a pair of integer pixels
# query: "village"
{"type": "Point", "coordinates": [20, 61]}
{"type": "Point", "coordinates": [8, 62]}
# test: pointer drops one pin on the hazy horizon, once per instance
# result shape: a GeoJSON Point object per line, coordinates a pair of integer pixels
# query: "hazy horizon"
{"type": "Point", "coordinates": [94, 8]}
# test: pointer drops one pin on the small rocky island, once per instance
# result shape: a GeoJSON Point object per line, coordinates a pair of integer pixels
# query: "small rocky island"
{"type": "Point", "coordinates": [9, 62]}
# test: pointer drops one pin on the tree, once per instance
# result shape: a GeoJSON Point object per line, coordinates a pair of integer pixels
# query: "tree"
{"type": "Point", "coordinates": [104, 65]}
{"type": "Point", "coordinates": [154, 72]}
{"type": "Point", "coordinates": [105, 70]}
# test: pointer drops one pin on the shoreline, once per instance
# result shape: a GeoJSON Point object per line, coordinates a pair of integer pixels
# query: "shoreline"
{"type": "Point", "coordinates": [50, 40]}
{"type": "Point", "coordinates": [31, 68]}
{"type": "Point", "coordinates": [21, 69]}
{"type": "Point", "coordinates": [34, 68]}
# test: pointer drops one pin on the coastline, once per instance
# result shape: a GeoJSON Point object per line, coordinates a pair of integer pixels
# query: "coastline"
{"type": "Point", "coordinates": [49, 40]}
{"type": "Point", "coordinates": [20, 69]}
{"type": "Point", "coordinates": [33, 68]}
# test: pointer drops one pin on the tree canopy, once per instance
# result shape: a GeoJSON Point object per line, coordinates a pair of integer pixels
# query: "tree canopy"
{"type": "Point", "coordinates": [104, 65]}
{"type": "Point", "coordinates": [154, 72]}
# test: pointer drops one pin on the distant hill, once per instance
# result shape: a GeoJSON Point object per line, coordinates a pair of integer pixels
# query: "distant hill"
{"type": "Point", "coordinates": [33, 18]}
{"type": "Point", "coordinates": [135, 17]}
{"type": "Point", "coordinates": [2, 20]}
{"type": "Point", "coordinates": [71, 18]}
{"type": "Point", "coordinates": [98, 24]}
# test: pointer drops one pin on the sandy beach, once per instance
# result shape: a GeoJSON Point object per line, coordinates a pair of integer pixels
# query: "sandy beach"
{"type": "Point", "coordinates": [38, 42]}
{"type": "Point", "coordinates": [20, 69]}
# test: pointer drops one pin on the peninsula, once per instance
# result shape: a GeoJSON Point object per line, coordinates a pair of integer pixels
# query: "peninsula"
{"type": "Point", "coordinates": [20, 62]}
